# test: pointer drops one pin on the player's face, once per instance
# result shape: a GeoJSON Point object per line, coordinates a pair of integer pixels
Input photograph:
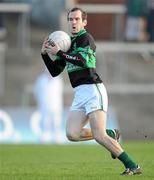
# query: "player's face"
{"type": "Point", "coordinates": [76, 23]}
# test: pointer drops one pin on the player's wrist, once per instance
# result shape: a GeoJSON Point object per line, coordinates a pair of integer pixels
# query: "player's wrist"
{"type": "Point", "coordinates": [43, 52]}
{"type": "Point", "coordinates": [60, 53]}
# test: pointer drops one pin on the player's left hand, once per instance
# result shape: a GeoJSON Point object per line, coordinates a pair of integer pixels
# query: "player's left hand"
{"type": "Point", "coordinates": [53, 48]}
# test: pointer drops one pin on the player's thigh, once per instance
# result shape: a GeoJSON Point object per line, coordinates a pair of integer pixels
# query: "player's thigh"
{"type": "Point", "coordinates": [76, 120]}
{"type": "Point", "coordinates": [97, 121]}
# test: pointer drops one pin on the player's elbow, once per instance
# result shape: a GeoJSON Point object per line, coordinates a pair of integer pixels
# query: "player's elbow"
{"type": "Point", "coordinates": [54, 73]}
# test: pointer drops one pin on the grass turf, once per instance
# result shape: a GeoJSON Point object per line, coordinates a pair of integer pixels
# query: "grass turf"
{"type": "Point", "coordinates": [71, 162]}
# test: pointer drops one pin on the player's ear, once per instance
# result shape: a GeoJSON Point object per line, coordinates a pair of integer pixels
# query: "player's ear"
{"type": "Point", "coordinates": [85, 22]}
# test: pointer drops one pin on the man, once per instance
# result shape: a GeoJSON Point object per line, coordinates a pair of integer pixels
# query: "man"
{"type": "Point", "coordinates": [136, 20]}
{"type": "Point", "coordinates": [49, 98]}
{"type": "Point", "coordinates": [90, 100]}
{"type": "Point", "coordinates": [150, 20]}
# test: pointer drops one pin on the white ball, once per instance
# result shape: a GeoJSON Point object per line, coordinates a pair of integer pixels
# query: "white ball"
{"type": "Point", "coordinates": [62, 39]}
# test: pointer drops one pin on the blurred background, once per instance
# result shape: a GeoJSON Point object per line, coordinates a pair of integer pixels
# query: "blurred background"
{"type": "Point", "coordinates": [124, 34]}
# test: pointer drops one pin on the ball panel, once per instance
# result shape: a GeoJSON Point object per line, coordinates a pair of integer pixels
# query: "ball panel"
{"type": "Point", "coordinates": [62, 39]}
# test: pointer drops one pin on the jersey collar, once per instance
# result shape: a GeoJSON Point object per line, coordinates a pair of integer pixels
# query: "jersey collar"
{"type": "Point", "coordinates": [82, 31]}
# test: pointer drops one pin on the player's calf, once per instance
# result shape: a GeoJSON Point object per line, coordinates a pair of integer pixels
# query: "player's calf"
{"type": "Point", "coordinates": [117, 138]}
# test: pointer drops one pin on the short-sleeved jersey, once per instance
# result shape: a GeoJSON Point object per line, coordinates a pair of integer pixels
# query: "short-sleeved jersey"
{"type": "Point", "coordinates": [80, 61]}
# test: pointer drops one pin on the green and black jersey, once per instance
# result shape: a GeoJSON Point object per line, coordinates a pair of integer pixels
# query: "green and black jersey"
{"type": "Point", "coordinates": [80, 61]}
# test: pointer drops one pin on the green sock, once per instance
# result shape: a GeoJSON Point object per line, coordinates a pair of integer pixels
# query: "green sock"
{"type": "Point", "coordinates": [127, 161]}
{"type": "Point", "coordinates": [110, 133]}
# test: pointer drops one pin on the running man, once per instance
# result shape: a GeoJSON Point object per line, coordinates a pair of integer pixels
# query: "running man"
{"type": "Point", "coordinates": [90, 100]}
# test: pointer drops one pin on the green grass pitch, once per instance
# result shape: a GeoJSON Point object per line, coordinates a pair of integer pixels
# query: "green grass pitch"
{"type": "Point", "coordinates": [71, 162]}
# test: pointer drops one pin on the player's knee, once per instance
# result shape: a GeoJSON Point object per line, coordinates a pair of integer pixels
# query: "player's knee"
{"type": "Point", "coordinates": [72, 136]}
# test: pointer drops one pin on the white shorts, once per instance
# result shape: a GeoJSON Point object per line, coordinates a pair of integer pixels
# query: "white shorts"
{"type": "Point", "coordinates": [89, 98]}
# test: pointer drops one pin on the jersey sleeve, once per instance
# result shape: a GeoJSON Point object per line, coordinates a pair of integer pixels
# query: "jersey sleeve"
{"type": "Point", "coordinates": [54, 67]}
{"type": "Point", "coordinates": [74, 58]}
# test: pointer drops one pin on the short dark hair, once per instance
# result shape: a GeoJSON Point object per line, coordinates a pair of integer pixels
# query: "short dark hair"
{"type": "Point", "coordinates": [84, 14]}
